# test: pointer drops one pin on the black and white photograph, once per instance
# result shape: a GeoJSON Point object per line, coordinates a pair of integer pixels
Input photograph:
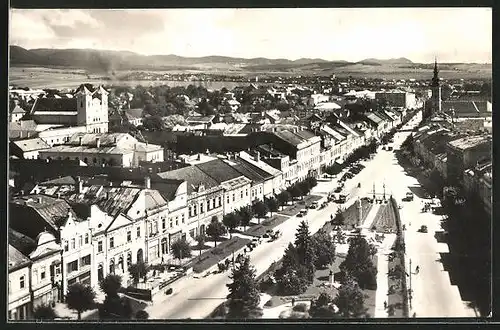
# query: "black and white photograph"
{"type": "Point", "coordinates": [236, 164]}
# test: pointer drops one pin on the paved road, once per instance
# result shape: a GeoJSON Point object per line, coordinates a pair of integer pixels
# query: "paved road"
{"type": "Point", "coordinates": [434, 295]}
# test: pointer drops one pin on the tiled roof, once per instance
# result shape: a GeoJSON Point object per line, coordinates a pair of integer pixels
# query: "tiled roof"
{"type": "Point", "coordinates": [289, 137]}
{"type": "Point", "coordinates": [305, 134]}
{"type": "Point", "coordinates": [112, 200]}
{"type": "Point", "coordinates": [53, 104]}
{"type": "Point", "coordinates": [154, 200]}
{"type": "Point", "coordinates": [31, 144]}
{"type": "Point", "coordinates": [167, 188]}
{"type": "Point", "coordinates": [247, 158]}
{"type": "Point", "coordinates": [371, 116]}
{"type": "Point", "coordinates": [193, 176]}
{"type": "Point", "coordinates": [21, 242]}
{"type": "Point", "coordinates": [248, 170]}
{"type": "Point", "coordinates": [23, 125]}
{"type": "Point", "coordinates": [17, 259]}
{"type": "Point", "coordinates": [52, 210]}
{"type": "Point", "coordinates": [219, 170]}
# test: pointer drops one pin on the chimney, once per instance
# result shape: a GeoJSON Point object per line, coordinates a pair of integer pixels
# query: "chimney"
{"type": "Point", "coordinates": [79, 185]}
{"type": "Point", "coordinates": [98, 142]}
{"type": "Point", "coordinates": [81, 140]}
{"type": "Point", "coordinates": [147, 182]}
{"type": "Point", "coordinates": [257, 156]}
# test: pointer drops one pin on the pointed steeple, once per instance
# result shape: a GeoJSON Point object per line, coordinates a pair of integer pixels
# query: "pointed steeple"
{"type": "Point", "coordinates": [435, 78]}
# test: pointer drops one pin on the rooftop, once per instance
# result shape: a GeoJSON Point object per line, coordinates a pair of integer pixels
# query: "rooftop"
{"type": "Point", "coordinates": [192, 175]}
{"type": "Point", "coordinates": [31, 144]}
{"type": "Point", "coordinates": [54, 104]}
{"type": "Point", "coordinates": [219, 170]}
{"type": "Point", "coordinates": [21, 242]}
{"type": "Point", "coordinates": [470, 141]}
{"type": "Point", "coordinates": [16, 259]}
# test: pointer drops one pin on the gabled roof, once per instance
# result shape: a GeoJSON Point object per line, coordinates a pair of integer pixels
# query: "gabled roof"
{"type": "Point", "coordinates": [263, 166]}
{"type": "Point", "coordinates": [31, 144]}
{"type": "Point", "coordinates": [17, 260]}
{"type": "Point", "coordinates": [193, 176]}
{"type": "Point", "coordinates": [374, 118]}
{"type": "Point", "coordinates": [133, 113]}
{"type": "Point", "coordinates": [289, 137]}
{"type": "Point", "coordinates": [23, 125]}
{"type": "Point", "coordinates": [249, 170]}
{"type": "Point", "coordinates": [219, 170]}
{"type": "Point", "coordinates": [54, 104]}
{"type": "Point", "coordinates": [21, 242]}
{"type": "Point", "coordinates": [19, 110]}
{"type": "Point", "coordinates": [154, 200]}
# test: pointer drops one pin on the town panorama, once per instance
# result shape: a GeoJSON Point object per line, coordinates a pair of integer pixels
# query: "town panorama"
{"type": "Point", "coordinates": [229, 189]}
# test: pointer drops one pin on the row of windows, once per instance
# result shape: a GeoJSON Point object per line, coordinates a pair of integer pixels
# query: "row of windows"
{"type": "Point", "coordinates": [74, 265]}
{"type": "Point", "coordinates": [211, 204]}
{"type": "Point", "coordinates": [81, 242]}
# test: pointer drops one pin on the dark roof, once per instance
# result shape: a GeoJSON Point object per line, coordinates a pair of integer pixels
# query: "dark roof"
{"type": "Point", "coordinates": [469, 108]}
{"type": "Point", "coordinates": [249, 170]}
{"type": "Point", "coordinates": [193, 176]}
{"type": "Point", "coordinates": [17, 259]}
{"type": "Point", "coordinates": [289, 137]}
{"type": "Point", "coordinates": [305, 134]}
{"type": "Point", "coordinates": [61, 181]}
{"type": "Point", "coordinates": [133, 113]}
{"type": "Point", "coordinates": [54, 104]}
{"type": "Point", "coordinates": [90, 87]}
{"type": "Point", "coordinates": [266, 148]}
{"type": "Point", "coordinates": [219, 170]}
{"type": "Point", "coordinates": [167, 188]}
{"type": "Point", "coordinates": [383, 115]}
{"type": "Point", "coordinates": [21, 242]}
{"type": "Point", "coordinates": [206, 119]}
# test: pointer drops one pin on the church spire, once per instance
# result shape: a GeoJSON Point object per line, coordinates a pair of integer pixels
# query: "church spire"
{"type": "Point", "coordinates": [435, 79]}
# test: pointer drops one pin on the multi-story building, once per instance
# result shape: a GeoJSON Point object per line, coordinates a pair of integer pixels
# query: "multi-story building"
{"type": "Point", "coordinates": [116, 149]}
{"type": "Point", "coordinates": [236, 186]}
{"type": "Point", "coordinates": [279, 161]}
{"type": "Point", "coordinates": [464, 153]}
{"type": "Point", "coordinates": [204, 196]}
{"type": "Point", "coordinates": [88, 107]}
{"type": "Point", "coordinates": [19, 295]}
{"type": "Point", "coordinates": [397, 99]}
{"type": "Point", "coordinates": [274, 183]}
{"type": "Point", "coordinates": [29, 148]}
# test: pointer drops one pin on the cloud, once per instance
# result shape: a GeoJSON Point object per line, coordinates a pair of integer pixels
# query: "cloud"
{"type": "Point", "coordinates": [461, 34]}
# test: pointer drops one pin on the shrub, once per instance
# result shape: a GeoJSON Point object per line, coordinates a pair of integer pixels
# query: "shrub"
{"type": "Point", "coordinates": [300, 308]}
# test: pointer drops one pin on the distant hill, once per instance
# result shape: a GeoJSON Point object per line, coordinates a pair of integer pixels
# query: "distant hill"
{"type": "Point", "coordinates": [108, 62]}
{"type": "Point", "coordinates": [374, 61]}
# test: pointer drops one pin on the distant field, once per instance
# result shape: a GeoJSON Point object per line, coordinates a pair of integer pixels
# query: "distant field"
{"type": "Point", "coordinates": [38, 77]}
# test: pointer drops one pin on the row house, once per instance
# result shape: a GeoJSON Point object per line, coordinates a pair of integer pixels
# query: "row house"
{"type": "Point", "coordinates": [279, 161]}
{"type": "Point", "coordinates": [34, 214]}
{"type": "Point", "coordinates": [204, 196]}
{"type": "Point", "coordinates": [273, 182]}
{"type": "Point", "coordinates": [477, 183]}
{"type": "Point", "coordinates": [20, 304]}
{"type": "Point", "coordinates": [236, 186]}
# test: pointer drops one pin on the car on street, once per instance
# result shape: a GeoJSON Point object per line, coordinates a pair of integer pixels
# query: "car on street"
{"type": "Point", "coordinates": [338, 189]}
{"type": "Point", "coordinates": [422, 229]}
{"type": "Point", "coordinates": [408, 197]}
{"type": "Point", "coordinates": [313, 205]}
{"type": "Point", "coordinates": [302, 213]}
{"type": "Point", "coordinates": [341, 199]}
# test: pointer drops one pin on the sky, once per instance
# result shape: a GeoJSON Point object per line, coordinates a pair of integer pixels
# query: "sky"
{"type": "Point", "coordinates": [351, 34]}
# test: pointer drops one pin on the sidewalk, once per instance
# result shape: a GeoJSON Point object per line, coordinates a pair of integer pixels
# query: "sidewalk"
{"type": "Point", "coordinates": [371, 216]}
{"type": "Point", "coordinates": [381, 295]}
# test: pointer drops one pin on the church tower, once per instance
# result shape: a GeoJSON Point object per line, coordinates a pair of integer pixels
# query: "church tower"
{"type": "Point", "coordinates": [436, 91]}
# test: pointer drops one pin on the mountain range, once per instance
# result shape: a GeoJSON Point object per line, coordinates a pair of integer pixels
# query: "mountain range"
{"type": "Point", "coordinates": [124, 60]}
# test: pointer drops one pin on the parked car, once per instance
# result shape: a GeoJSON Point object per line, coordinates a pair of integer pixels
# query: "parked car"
{"type": "Point", "coordinates": [422, 229]}
{"type": "Point", "coordinates": [408, 197]}
{"type": "Point", "coordinates": [302, 213]}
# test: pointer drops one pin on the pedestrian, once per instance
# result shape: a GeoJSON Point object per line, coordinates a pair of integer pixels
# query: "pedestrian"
{"type": "Point", "coordinates": [293, 302]}
{"type": "Point", "coordinates": [417, 269]}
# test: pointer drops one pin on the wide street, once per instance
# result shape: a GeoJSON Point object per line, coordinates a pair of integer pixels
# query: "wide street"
{"type": "Point", "coordinates": [433, 294]}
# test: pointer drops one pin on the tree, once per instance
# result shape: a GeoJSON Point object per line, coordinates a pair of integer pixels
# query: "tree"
{"type": "Point", "coordinates": [244, 295]}
{"type": "Point", "coordinates": [142, 315]}
{"type": "Point", "coordinates": [110, 285]}
{"type": "Point", "coordinates": [296, 191]}
{"type": "Point", "coordinates": [246, 215]}
{"type": "Point", "coordinates": [80, 298]}
{"type": "Point", "coordinates": [260, 209]}
{"type": "Point", "coordinates": [324, 249]}
{"type": "Point", "coordinates": [284, 197]}
{"type": "Point", "coordinates": [339, 217]}
{"type": "Point", "coordinates": [181, 249]}
{"type": "Point", "coordinates": [358, 263]}
{"type": "Point", "coordinates": [312, 181]}
{"type": "Point", "coordinates": [322, 307]}
{"type": "Point", "coordinates": [153, 123]}
{"type": "Point", "coordinates": [200, 239]}
{"type": "Point", "coordinates": [305, 187]}
{"type": "Point", "coordinates": [272, 204]}
{"type": "Point", "coordinates": [305, 249]}
{"type": "Point", "coordinates": [350, 300]}
{"type": "Point", "coordinates": [138, 271]}
{"type": "Point", "coordinates": [215, 229]}
{"type": "Point", "coordinates": [231, 221]}
{"type": "Point", "coordinates": [44, 312]}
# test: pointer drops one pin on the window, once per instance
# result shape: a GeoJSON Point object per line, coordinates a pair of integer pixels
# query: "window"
{"type": "Point", "coordinates": [177, 221]}
{"type": "Point", "coordinates": [234, 197]}
{"type": "Point", "coordinates": [190, 211]}
{"type": "Point", "coordinates": [22, 282]}
{"type": "Point", "coordinates": [228, 199]}
{"type": "Point", "coordinates": [163, 224]}
{"type": "Point", "coordinates": [66, 246]}
{"type": "Point", "coordinates": [43, 273]}
{"type": "Point", "coordinates": [129, 259]}
{"type": "Point", "coordinates": [72, 266]}
{"type": "Point", "coordinates": [220, 201]}
{"type": "Point", "coordinates": [73, 243]}
{"type": "Point", "coordinates": [246, 192]}
{"type": "Point", "coordinates": [253, 192]}
{"type": "Point", "coordinates": [85, 261]}
{"type": "Point", "coordinates": [171, 223]}
{"type": "Point", "coordinates": [111, 242]}
{"type": "Point", "coordinates": [80, 241]}
{"type": "Point", "coordinates": [201, 207]}
{"type": "Point", "coordinates": [99, 247]}
{"type": "Point", "coordinates": [138, 232]}
{"type": "Point", "coordinates": [182, 218]}
{"type": "Point", "coordinates": [34, 276]}
{"type": "Point", "coordinates": [241, 195]}
{"type": "Point", "coordinates": [129, 236]}
{"type": "Point", "coordinates": [86, 238]}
